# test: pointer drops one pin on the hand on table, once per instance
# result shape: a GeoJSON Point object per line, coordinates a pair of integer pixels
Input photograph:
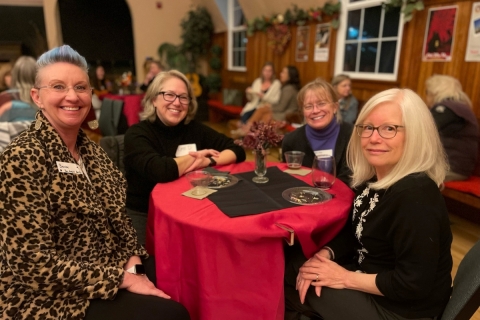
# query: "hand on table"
{"type": "Point", "coordinates": [140, 284]}
{"type": "Point", "coordinates": [200, 159]}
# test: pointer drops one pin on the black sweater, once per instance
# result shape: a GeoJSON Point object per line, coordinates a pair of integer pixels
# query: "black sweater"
{"type": "Point", "coordinates": [150, 151]}
{"type": "Point", "coordinates": [405, 239]}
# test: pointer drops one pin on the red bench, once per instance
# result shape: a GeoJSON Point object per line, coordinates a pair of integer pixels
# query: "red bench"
{"type": "Point", "coordinates": [218, 112]}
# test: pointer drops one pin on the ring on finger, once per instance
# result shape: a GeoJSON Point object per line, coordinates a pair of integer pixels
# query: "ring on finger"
{"type": "Point", "coordinates": [316, 279]}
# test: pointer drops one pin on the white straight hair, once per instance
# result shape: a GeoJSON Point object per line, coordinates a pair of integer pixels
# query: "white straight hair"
{"type": "Point", "coordinates": [423, 150]}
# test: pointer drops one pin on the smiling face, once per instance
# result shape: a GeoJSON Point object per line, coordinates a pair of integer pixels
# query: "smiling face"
{"type": "Point", "coordinates": [319, 109]}
{"type": "Point", "coordinates": [65, 111]}
{"type": "Point", "coordinates": [344, 88]}
{"type": "Point", "coordinates": [383, 154]}
{"type": "Point", "coordinates": [171, 113]}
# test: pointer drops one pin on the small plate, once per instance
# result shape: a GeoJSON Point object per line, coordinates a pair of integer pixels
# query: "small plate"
{"type": "Point", "coordinates": [222, 181]}
{"type": "Point", "coordinates": [306, 195]}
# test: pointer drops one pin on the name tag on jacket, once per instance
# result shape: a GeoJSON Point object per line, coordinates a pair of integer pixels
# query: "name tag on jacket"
{"type": "Point", "coordinates": [184, 149]}
{"type": "Point", "coordinates": [324, 153]}
{"type": "Point", "coordinates": [65, 167]}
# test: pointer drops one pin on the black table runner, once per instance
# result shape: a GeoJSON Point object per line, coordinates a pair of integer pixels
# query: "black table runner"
{"type": "Point", "coordinates": [250, 198]}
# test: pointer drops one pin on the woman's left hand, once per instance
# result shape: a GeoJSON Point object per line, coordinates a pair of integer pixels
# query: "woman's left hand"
{"type": "Point", "coordinates": [320, 272]}
{"type": "Point", "coordinates": [201, 160]}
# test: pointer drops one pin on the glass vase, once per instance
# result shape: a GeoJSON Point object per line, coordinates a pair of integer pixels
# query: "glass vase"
{"type": "Point", "coordinates": [260, 167]}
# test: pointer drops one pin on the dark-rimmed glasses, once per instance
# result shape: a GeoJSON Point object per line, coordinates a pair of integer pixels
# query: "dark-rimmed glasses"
{"type": "Point", "coordinates": [170, 97]}
{"type": "Point", "coordinates": [386, 131]}
{"type": "Point", "coordinates": [62, 89]}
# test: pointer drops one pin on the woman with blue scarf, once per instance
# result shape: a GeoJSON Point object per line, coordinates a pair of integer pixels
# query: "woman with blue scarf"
{"type": "Point", "coordinates": [324, 133]}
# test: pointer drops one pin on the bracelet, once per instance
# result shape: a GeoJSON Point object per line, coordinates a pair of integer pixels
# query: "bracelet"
{"type": "Point", "coordinates": [330, 251]}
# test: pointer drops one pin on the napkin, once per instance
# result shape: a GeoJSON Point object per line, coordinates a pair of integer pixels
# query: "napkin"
{"type": "Point", "coordinates": [215, 171]}
{"type": "Point", "coordinates": [300, 172]}
{"type": "Point", "coordinates": [190, 195]}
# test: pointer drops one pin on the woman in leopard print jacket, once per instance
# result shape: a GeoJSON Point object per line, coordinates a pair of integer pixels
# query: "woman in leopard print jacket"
{"type": "Point", "coordinates": [66, 242]}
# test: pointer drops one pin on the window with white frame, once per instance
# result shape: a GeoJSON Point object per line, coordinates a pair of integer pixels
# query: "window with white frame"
{"type": "Point", "coordinates": [369, 40]}
{"type": "Point", "coordinates": [237, 37]}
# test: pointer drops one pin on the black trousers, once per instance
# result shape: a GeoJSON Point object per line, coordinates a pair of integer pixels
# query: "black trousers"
{"type": "Point", "coordinates": [333, 304]}
{"type": "Point", "coordinates": [132, 306]}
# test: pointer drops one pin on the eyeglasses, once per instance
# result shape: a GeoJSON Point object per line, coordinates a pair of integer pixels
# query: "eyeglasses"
{"type": "Point", "coordinates": [63, 89]}
{"type": "Point", "coordinates": [386, 131]}
{"type": "Point", "coordinates": [170, 97]}
{"type": "Point", "coordinates": [319, 105]}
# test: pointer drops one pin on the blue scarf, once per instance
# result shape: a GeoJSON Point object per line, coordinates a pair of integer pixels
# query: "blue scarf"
{"type": "Point", "coordinates": [323, 139]}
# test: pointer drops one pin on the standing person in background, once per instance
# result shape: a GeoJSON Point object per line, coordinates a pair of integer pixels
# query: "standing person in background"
{"type": "Point", "coordinates": [16, 103]}
{"type": "Point", "coordinates": [154, 68]}
{"type": "Point", "coordinates": [347, 102]}
{"type": "Point", "coordinates": [456, 123]}
{"type": "Point", "coordinates": [265, 89]}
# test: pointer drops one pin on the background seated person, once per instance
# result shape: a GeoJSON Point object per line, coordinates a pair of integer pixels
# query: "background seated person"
{"type": "Point", "coordinates": [5, 77]}
{"type": "Point", "coordinates": [101, 84]}
{"type": "Point", "coordinates": [458, 128]}
{"type": "Point", "coordinates": [347, 102]}
{"type": "Point", "coordinates": [324, 133]}
{"type": "Point", "coordinates": [265, 89]}
{"type": "Point", "coordinates": [67, 247]}
{"type": "Point", "coordinates": [155, 67]}
{"type": "Point", "coordinates": [168, 143]}
{"type": "Point", "coordinates": [17, 105]}
{"type": "Point", "coordinates": [392, 260]}
{"type": "Point", "coordinates": [266, 112]}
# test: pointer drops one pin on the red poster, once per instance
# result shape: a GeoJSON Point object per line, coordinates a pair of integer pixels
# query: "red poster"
{"type": "Point", "coordinates": [438, 41]}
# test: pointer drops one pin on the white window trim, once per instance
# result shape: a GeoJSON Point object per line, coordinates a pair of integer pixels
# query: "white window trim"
{"type": "Point", "coordinates": [346, 6]}
{"type": "Point", "coordinates": [231, 29]}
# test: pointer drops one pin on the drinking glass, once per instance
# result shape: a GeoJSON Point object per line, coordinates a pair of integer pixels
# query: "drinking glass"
{"type": "Point", "coordinates": [324, 172]}
{"type": "Point", "coordinates": [294, 159]}
{"type": "Point", "coordinates": [200, 179]}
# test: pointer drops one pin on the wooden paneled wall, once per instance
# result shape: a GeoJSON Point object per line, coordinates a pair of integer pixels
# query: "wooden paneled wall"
{"type": "Point", "coordinates": [412, 70]}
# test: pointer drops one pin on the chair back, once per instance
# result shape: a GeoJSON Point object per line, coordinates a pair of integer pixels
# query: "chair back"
{"type": "Point", "coordinates": [114, 147]}
{"type": "Point", "coordinates": [110, 114]}
{"type": "Point", "coordinates": [465, 298]}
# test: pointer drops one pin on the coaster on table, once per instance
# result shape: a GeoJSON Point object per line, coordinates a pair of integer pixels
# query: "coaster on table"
{"type": "Point", "coordinates": [300, 172]}
{"type": "Point", "coordinates": [190, 195]}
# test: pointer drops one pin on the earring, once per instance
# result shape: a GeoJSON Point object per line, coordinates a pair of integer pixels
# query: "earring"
{"type": "Point", "coordinates": [38, 124]}
{"type": "Point", "coordinates": [93, 124]}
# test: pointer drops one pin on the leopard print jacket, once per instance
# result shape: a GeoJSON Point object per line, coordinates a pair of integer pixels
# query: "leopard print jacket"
{"type": "Point", "coordinates": [63, 239]}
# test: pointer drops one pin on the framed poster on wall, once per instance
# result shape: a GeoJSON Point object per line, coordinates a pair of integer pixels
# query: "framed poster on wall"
{"type": "Point", "coordinates": [301, 47]}
{"type": "Point", "coordinates": [473, 45]}
{"type": "Point", "coordinates": [322, 42]}
{"type": "Point", "coordinates": [439, 34]}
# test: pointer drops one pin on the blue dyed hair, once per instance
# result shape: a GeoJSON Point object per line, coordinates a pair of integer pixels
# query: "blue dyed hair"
{"type": "Point", "coordinates": [63, 53]}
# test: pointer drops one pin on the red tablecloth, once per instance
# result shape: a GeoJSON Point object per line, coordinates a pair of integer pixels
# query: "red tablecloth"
{"type": "Point", "coordinates": [232, 268]}
{"type": "Point", "coordinates": [132, 106]}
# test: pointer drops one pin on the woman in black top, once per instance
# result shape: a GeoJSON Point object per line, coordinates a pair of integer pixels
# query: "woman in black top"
{"type": "Point", "coordinates": [457, 125]}
{"type": "Point", "coordinates": [392, 260]}
{"type": "Point", "coordinates": [168, 143]}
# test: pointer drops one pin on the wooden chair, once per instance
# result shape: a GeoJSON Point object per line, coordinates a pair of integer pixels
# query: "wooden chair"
{"type": "Point", "coordinates": [465, 298]}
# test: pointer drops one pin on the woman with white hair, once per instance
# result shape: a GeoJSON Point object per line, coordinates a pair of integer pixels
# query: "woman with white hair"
{"type": "Point", "coordinates": [392, 260]}
{"type": "Point", "coordinates": [458, 128]}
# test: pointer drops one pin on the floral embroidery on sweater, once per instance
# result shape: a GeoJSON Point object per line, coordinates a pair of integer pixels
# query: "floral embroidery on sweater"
{"type": "Point", "coordinates": [361, 219]}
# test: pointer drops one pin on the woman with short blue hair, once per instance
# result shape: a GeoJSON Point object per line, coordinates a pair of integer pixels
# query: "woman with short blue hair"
{"type": "Point", "coordinates": [68, 250]}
